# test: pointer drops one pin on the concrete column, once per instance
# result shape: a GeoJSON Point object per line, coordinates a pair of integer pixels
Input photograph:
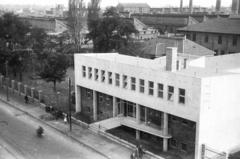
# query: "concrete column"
{"type": "Point", "coordinates": [19, 88]}
{"type": "Point", "coordinates": [94, 105]}
{"type": "Point", "coordinates": [39, 96]}
{"type": "Point", "coordinates": [114, 106]}
{"type": "Point", "coordinates": [12, 85]}
{"type": "Point", "coordinates": [78, 99]}
{"type": "Point", "coordinates": [25, 89]}
{"type": "Point", "coordinates": [146, 118]}
{"type": "Point", "coordinates": [137, 134]}
{"type": "Point", "coordinates": [165, 131]}
{"type": "Point", "coordinates": [58, 95]}
{"type": "Point", "coordinates": [138, 113]}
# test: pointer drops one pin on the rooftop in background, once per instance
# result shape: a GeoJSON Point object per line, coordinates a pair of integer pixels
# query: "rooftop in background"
{"type": "Point", "coordinates": [197, 66]}
{"type": "Point", "coordinates": [134, 5]}
{"type": "Point", "coordinates": [147, 49]}
{"type": "Point", "coordinates": [219, 25]}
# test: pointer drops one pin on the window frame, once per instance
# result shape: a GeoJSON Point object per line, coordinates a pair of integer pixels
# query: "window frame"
{"type": "Point", "coordinates": [124, 81]}
{"type": "Point", "coordinates": [103, 74]}
{"type": "Point", "coordinates": [160, 91]}
{"type": "Point", "coordinates": [141, 85]}
{"type": "Point", "coordinates": [117, 79]}
{"type": "Point", "coordinates": [181, 96]}
{"type": "Point", "coordinates": [90, 73]}
{"type": "Point", "coordinates": [170, 94]}
{"type": "Point", "coordinates": [133, 83]}
{"type": "Point", "coordinates": [84, 73]}
{"type": "Point", "coordinates": [110, 79]}
{"type": "Point", "coordinates": [96, 75]}
{"type": "Point", "coordinates": [151, 88]}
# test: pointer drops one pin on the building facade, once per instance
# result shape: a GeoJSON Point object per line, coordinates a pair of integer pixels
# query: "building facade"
{"type": "Point", "coordinates": [175, 98]}
{"type": "Point", "coordinates": [214, 35]}
{"type": "Point", "coordinates": [141, 8]}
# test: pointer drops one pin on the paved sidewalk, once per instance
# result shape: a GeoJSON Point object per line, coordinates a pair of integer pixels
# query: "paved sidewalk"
{"type": "Point", "coordinates": [81, 135]}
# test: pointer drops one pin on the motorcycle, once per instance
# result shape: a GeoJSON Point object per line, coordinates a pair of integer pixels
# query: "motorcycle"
{"type": "Point", "coordinates": [39, 131]}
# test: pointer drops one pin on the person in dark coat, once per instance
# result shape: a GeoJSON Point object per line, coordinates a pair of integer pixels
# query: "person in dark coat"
{"type": "Point", "coordinates": [26, 99]}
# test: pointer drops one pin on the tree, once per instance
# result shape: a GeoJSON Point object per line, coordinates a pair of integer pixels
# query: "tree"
{"type": "Point", "coordinates": [111, 32]}
{"type": "Point", "coordinates": [54, 68]}
{"type": "Point", "coordinates": [76, 13]}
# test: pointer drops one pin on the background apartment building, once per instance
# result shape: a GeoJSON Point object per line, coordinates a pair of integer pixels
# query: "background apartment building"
{"type": "Point", "coordinates": [140, 8]}
{"type": "Point", "coordinates": [172, 101]}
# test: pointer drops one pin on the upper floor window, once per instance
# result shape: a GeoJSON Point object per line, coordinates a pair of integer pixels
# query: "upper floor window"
{"type": "Point", "coordinates": [219, 39]}
{"type": "Point", "coordinates": [96, 74]}
{"type": "Point", "coordinates": [181, 98]}
{"type": "Point", "coordinates": [90, 72]}
{"type": "Point", "coordinates": [103, 76]}
{"type": "Point", "coordinates": [124, 81]}
{"type": "Point", "coordinates": [160, 90]}
{"type": "Point", "coordinates": [150, 88]}
{"type": "Point", "coordinates": [117, 79]}
{"type": "Point", "coordinates": [170, 93]}
{"type": "Point", "coordinates": [133, 83]}
{"type": "Point", "coordinates": [206, 39]}
{"type": "Point", "coordinates": [141, 86]}
{"type": "Point", "coordinates": [84, 71]}
{"type": "Point", "coordinates": [235, 39]}
{"type": "Point", "coordinates": [109, 77]}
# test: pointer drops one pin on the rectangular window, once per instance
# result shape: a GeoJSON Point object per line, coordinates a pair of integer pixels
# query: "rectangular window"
{"type": "Point", "coordinates": [124, 81]}
{"type": "Point", "coordinates": [184, 146]}
{"type": "Point", "coordinates": [234, 43]}
{"type": "Point", "coordinates": [103, 76]}
{"type": "Point", "coordinates": [89, 94]}
{"type": "Point", "coordinates": [194, 37]}
{"type": "Point", "coordinates": [96, 74]}
{"type": "Point", "coordinates": [170, 93]}
{"type": "Point", "coordinates": [181, 98]}
{"type": "Point", "coordinates": [109, 77]}
{"type": "Point", "coordinates": [133, 83]}
{"type": "Point", "coordinates": [90, 72]}
{"type": "Point", "coordinates": [84, 71]}
{"type": "Point", "coordinates": [206, 39]}
{"type": "Point", "coordinates": [150, 88]}
{"type": "Point", "coordinates": [160, 90]}
{"type": "Point", "coordinates": [219, 39]}
{"type": "Point", "coordinates": [173, 142]}
{"type": "Point", "coordinates": [100, 98]}
{"type": "Point", "coordinates": [141, 86]}
{"type": "Point", "coordinates": [117, 79]}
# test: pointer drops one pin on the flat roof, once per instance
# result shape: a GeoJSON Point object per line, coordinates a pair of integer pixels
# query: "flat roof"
{"type": "Point", "coordinates": [198, 66]}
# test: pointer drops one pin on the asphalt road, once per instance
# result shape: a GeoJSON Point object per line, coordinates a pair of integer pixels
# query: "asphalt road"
{"type": "Point", "coordinates": [19, 131]}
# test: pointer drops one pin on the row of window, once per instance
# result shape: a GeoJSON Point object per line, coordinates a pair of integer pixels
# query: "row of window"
{"type": "Point", "coordinates": [100, 75]}
{"type": "Point", "coordinates": [175, 144]}
{"type": "Point", "coordinates": [206, 39]}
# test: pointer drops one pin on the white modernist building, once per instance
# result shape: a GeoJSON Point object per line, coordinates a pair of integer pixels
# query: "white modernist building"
{"type": "Point", "coordinates": [196, 98]}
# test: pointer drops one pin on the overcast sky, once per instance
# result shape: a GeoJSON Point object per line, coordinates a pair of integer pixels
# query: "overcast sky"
{"type": "Point", "coordinates": [104, 3]}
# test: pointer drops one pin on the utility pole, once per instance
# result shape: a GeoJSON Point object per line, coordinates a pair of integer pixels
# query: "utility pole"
{"type": "Point", "coordinates": [7, 80]}
{"type": "Point", "coordinates": [69, 104]}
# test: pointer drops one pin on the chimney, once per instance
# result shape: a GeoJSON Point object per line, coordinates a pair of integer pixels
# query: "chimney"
{"type": "Point", "coordinates": [218, 6]}
{"type": "Point", "coordinates": [190, 6]}
{"type": "Point", "coordinates": [171, 59]}
{"type": "Point", "coordinates": [181, 6]}
{"type": "Point", "coordinates": [160, 50]}
{"type": "Point", "coordinates": [235, 6]}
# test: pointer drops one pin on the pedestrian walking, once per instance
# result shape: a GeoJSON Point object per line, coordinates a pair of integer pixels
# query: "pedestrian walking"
{"type": "Point", "coordinates": [26, 99]}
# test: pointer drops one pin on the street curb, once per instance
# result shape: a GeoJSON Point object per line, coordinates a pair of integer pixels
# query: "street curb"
{"type": "Point", "coordinates": [56, 129]}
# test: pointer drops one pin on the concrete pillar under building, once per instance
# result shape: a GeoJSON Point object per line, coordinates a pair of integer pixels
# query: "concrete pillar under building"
{"type": "Point", "coordinates": [94, 105]}
{"type": "Point", "coordinates": [78, 99]}
{"type": "Point", "coordinates": [146, 117]}
{"type": "Point", "coordinates": [165, 131]}
{"type": "Point", "coordinates": [138, 113]}
{"type": "Point", "coordinates": [1, 80]}
{"type": "Point", "coordinates": [137, 134]}
{"type": "Point", "coordinates": [12, 85]}
{"type": "Point", "coordinates": [114, 106]}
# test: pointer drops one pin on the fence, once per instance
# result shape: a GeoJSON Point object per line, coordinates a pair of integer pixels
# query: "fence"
{"type": "Point", "coordinates": [58, 101]}
{"type": "Point", "coordinates": [209, 153]}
